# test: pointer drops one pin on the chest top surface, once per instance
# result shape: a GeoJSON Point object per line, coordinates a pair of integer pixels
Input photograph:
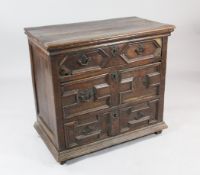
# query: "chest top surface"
{"type": "Point", "coordinates": [79, 34]}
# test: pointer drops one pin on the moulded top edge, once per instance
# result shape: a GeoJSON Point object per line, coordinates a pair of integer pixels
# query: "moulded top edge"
{"type": "Point", "coordinates": [65, 36]}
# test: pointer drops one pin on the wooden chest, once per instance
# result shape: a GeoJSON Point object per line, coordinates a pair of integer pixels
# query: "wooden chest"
{"type": "Point", "coordinates": [98, 84]}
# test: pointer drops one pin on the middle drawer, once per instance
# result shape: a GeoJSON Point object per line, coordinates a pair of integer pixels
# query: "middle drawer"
{"type": "Point", "coordinates": [113, 88]}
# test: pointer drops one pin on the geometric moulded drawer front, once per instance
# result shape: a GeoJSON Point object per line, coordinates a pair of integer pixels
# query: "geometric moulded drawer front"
{"type": "Point", "coordinates": [139, 115]}
{"type": "Point", "coordinates": [87, 95]}
{"type": "Point", "coordinates": [85, 129]}
{"type": "Point", "coordinates": [110, 89]}
{"type": "Point", "coordinates": [142, 50]}
{"type": "Point", "coordinates": [83, 61]}
{"type": "Point", "coordinates": [99, 125]}
{"type": "Point", "coordinates": [141, 82]}
{"type": "Point", "coordinates": [96, 59]}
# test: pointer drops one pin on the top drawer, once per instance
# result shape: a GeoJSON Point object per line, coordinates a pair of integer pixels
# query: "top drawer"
{"type": "Point", "coordinates": [91, 61]}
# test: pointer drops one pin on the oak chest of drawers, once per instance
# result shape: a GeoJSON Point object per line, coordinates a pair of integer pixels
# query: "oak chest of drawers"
{"type": "Point", "coordinates": [98, 84]}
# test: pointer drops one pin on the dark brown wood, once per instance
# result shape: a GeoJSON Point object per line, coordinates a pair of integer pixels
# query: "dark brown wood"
{"type": "Point", "coordinates": [97, 84]}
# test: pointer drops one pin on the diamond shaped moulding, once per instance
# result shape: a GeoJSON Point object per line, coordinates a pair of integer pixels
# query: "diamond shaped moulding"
{"type": "Point", "coordinates": [133, 52]}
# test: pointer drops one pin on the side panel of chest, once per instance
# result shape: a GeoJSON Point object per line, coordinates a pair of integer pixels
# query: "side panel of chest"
{"type": "Point", "coordinates": [44, 93]}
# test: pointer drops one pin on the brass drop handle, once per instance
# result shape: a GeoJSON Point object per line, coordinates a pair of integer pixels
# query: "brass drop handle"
{"type": "Point", "coordinates": [140, 49]}
{"type": "Point", "coordinates": [83, 60]}
{"type": "Point", "coordinates": [86, 95]}
{"type": "Point", "coordinates": [64, 71]}
{"type": "Point", "coordinates": [139, 115]}
{"type": "Point", "coordinates": [87, 130]}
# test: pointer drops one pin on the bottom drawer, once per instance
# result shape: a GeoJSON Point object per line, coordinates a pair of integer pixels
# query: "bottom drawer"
{"type": "Point", "coordinates": [138, 115]}
{"type": "Point", "coordinates": [102, 124]}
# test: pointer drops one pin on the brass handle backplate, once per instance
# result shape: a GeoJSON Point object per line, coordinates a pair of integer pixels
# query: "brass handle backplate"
{"type": "Point", "coordinates": [140, 49]}
{"type": "Point", "coordinates": [139, 115]}
{"type": "Point", "coordinates": [64, 71]}
{"type": "Point", "coordinates": [86, 95]}
{"type": "Point", "coordinates": [87, 130]}
{"type": "Point", "coordinates": [84, 60]}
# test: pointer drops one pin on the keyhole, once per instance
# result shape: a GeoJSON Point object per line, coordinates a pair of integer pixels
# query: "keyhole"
{"type": "Point", "coordinates": [114, 76]}
{"type": "Point", "coordinates": [114, 115]}
{"type": "Point", "coordinates": [114, 51]}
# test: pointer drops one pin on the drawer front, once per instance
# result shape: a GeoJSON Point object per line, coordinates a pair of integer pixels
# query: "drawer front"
{"type": "Point", "coordinates": [73, 65]}
{"type": "Point", "coordinates": [116, 87]}
{"type": "Point", "coordinates": [103, 124]}
{"type": "Point", "coordinates": [85, 129]}
{"type": "Point", "coordinates": [138, 83]}
{"type": "Point", "coordinates": [82, 131]}
{"type": "Point", "coordinates": [139, 115]}
{"type": "Point", "coordinates": [86, 95]}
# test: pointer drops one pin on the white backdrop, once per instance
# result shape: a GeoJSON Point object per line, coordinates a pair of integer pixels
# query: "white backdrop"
{"type": "Point", "coordinates": [176, 151]}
